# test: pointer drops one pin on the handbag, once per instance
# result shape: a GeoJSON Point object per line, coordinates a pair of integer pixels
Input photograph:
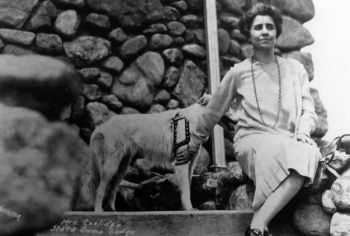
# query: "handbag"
{"type": "Point", "coordinates": [328, 169]}
{"type": "Point", "coordinates": [339, 147]}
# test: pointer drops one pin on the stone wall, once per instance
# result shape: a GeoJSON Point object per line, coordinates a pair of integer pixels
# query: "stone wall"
{"type": "Point", "coordinates": [142, 56]}
{"type": "Point", "coordinates": [147, 56]}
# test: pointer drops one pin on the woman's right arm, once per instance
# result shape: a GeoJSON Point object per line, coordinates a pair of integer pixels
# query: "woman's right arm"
{"type": "Point", "coordinates": [216, 108]}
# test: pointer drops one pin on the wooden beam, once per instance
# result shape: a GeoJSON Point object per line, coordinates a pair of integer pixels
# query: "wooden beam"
{"type": "Point", "coordinates": [213, 62]}
{"type": "Point", "coordinates": [172, 223]}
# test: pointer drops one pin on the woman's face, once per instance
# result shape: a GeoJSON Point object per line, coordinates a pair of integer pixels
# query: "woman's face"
{"type": "Point", "coordinates": [263, 32]}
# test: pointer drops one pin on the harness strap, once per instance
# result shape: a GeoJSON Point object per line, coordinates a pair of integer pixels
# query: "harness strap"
{"type": "Point", "coordinates": [180, 124]}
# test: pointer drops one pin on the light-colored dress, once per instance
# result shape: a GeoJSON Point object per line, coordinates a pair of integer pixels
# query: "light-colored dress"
{"type": "Point", "coordinates": [266, 154]}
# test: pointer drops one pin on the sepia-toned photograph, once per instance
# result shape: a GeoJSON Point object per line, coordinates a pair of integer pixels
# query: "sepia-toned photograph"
{"type": "Point", "coordinates": [174, 118]}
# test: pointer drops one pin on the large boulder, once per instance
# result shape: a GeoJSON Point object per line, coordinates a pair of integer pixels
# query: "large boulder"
{"type": "Point", "coordinates": [48, 91]}
{"type": "Point", "coordinates": [40, 165]}
{"type": "Point", "coordinates": [302, 10]}
{"type": "Point", "coordinates": [294, 35]}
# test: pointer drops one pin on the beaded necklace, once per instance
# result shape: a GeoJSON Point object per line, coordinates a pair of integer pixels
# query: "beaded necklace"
{"type": "Point", "coordinates": [279, 92]}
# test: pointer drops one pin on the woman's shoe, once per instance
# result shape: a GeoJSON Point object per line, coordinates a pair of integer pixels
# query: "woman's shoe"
{"type": "Point", "coordinates": [253, 232]}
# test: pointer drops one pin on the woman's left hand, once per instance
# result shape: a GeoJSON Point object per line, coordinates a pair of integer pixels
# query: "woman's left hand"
{"type": "Point", "coordinates": [183, 155]}
{"type": "Point", "coordinates": [304, 138]}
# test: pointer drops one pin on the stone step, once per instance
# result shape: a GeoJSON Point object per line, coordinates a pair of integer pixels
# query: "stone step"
{"type": "Point", "coordinates": [167, 223]}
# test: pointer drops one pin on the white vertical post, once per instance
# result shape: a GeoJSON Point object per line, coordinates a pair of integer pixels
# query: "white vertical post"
{"type": "Point", "coordinates": [213, 62]}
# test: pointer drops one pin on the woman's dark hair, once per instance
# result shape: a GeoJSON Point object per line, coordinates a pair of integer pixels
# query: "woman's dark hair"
{"type": "Point", "coordinates": [246, 20]}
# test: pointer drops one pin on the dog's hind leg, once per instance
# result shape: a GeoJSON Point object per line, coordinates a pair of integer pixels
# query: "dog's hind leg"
{"type": "Point", "coordinates": [101, 190]}
{"type": "Point", "coordinates": [97, 145]}
{"type": "Point", "coordinates": [123, 167]}
{"type": "Point", "coordinates": [109, 154]}
{"type": "Point", "coordinates": [182, 173]}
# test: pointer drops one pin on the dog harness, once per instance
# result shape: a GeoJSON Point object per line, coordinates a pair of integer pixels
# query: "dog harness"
{"type": "Point", "coordinates": [181, 131]}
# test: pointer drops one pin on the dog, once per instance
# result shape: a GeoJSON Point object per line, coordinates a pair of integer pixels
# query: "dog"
{"type": "Point", "coordinates": [117, 141]}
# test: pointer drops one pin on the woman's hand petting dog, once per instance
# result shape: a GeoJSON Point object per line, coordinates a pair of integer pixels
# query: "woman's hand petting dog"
{"type": "Point", "coordinates": [183, 155]}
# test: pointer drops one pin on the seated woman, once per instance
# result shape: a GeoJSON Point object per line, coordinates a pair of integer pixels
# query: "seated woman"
{"type": "Point", "coordinates": [275, 118]}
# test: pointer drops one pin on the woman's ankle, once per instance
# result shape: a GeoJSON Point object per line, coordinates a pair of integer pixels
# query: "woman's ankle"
{"type": "Point", "coordinates": [258, 225]}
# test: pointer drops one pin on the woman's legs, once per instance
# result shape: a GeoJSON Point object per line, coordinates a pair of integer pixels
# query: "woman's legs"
{"type": "Point", "coordinates": [277, 200]}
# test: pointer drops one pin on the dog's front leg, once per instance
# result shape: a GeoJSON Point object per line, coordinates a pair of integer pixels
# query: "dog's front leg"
{"type": "Point", "coordinates": [183, 177]}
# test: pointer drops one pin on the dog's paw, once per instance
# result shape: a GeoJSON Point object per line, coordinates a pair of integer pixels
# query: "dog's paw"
{"type": "Point", "coordinates": [191, 209]}
{"type": "Point", "coordinates": [99, 210]}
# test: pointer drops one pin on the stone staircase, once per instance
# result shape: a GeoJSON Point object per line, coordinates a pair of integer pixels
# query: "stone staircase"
{"type": "Point", "coordinates": [168, 223]}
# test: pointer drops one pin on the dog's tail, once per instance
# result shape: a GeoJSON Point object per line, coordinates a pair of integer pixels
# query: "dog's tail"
{"type": "Point", "coordinates": [97, 145]}
{"type": "Point", "coordinates": [87, 183]}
